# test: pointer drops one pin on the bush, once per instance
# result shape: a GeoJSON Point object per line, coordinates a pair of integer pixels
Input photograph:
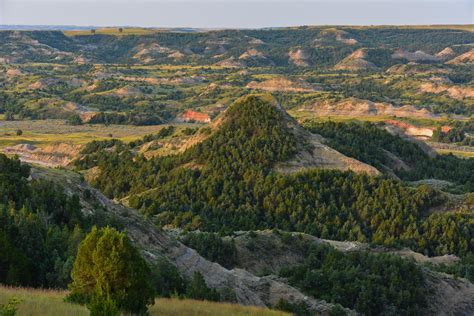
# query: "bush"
{"type": "Point", "coordinates": [74, 120]}
{"type": "Point", "coordinates": [110, 274]}
{"type": "Point", "coordinates": [10, 308]}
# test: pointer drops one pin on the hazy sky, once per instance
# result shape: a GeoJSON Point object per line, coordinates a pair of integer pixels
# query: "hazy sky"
{"type": "Point", "coordinates": [234, 13]}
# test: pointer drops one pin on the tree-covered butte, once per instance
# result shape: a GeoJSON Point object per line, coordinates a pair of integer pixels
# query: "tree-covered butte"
{"type": "Point", "coordinates": [227, 182]}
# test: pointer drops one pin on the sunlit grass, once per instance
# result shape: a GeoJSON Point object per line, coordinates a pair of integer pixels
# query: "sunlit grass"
{"type": "Point", "coordinates": [42, 133]}
{"type": "Point", "coordinates": [50, 302]}
{"type": "Point", "coordinates": [114, 31]}
{"type": "Point", "coordinates": [41, 302]}
{"type": "Point", "coordinates": [459, 153]}
{"type": "Point", "coordinates": [309, 115]}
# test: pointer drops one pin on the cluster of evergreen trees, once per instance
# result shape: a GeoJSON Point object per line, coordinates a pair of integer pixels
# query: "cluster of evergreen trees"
{"type": "Point", "coordinates": [226, 183]}
{"type": "Point", "coordinates": [371, 284]}
{"type": "Point", "coordinates": [128, 118]}
{"type": "Point", "coordinates": [44, 243]}
{"type": "Point", "coordinates": [40, 229]}
{"type": "Point", "coordinates": [212, 247]}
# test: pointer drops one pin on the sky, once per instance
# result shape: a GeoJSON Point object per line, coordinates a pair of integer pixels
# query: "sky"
{"type": "Point", "coordinates": [234, 13]}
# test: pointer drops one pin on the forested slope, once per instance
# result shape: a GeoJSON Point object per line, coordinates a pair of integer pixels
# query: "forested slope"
{"type": "Point", "coordinates": [226, 183]}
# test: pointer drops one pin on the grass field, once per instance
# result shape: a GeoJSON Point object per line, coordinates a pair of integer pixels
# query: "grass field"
{"type": "Point", "coordinates": [459, 153]}
{"type": "Point", "coordinates": [44, 132]}
{"type": "Point", "coordinates": [49, 302]}
{"type": "Point", "coordinates": [114, 31]}
{"type": "Point", "coordinates": [143, 31]}
{"type": "Point", "coordinates": [309, 115]}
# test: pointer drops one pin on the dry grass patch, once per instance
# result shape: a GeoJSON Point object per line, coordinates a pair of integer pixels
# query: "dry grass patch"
{"type": "Point", "coordinates": [51, 302]}
{"type": "Point", "coordinates": [41, 302]}
{"type": "Point", "coordinates": [113, 31]}
{"type": "Point", "coordinates": [176, 307]}
{"type": "Point", "coordinates": [45, 132]}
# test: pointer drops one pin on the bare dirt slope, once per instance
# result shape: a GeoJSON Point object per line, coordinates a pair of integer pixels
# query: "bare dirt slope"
{"type": "Point", "coordinates": [355, 61]}
{"type": "Point", "coordinates": [313, 153]}
{"type": "Point", "coordinates": [319, 155]}
{"type": "Point", "coordinates": [53, 155]}
{"type": "Point", "coordinates": [466, 58]}
{"type": "Point", "coordinates": [455, 92]}
{"type": "Point", "coordinates": [298, 57]}
{"type": "Point", "coordinates": [281, 84]}
{"type": "Point", "coordinates": [353, 107]}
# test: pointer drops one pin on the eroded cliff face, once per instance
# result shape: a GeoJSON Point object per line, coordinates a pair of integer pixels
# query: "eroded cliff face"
{"type": "Point", "coordinates": [53, 155]}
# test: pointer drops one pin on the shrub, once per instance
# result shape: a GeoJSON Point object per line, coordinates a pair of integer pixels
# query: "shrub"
{"type": "Point", "coordinates": [110, 274]}
{"type": "Point", "coordinates": [74, 120]}
{"type": "Point", "coordinates": [10, 308]}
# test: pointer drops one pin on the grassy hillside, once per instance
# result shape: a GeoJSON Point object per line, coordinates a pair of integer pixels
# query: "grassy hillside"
{"type": "Point", "coordinates": [50, 302]}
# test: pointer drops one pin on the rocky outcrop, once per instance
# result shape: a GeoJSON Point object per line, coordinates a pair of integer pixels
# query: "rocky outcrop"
{"type": "Point", "coordinates": [320, 156]}
{"type": "Point", "coordinates": [411, 133]}
{"type": "Point", "coordinates": [147, 53]}
{"type": "Point", "coordinates": [450, 296]}
{"type": "Point", "coordinates": [14, 72]}
{"type": "Point", "coordinates": [127, 91]}
{"type": "Point", "coordinates": [176, 55]}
